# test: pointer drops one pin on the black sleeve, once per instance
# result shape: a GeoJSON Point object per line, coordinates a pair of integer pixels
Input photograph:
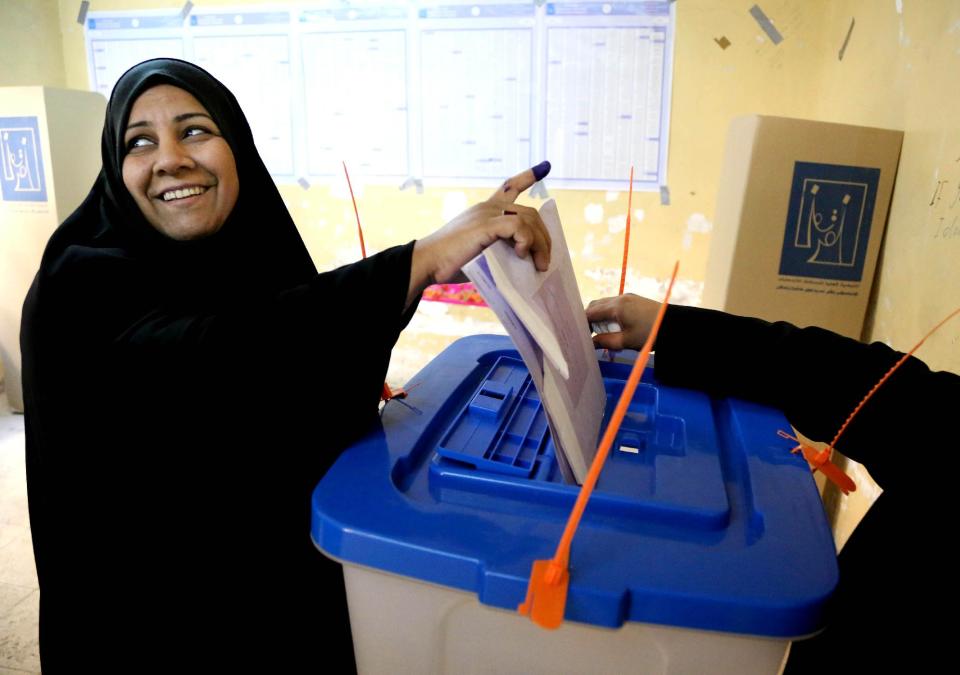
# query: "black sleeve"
{"type": "Point", "coordinates": [335, 332]}
{"type": "Point", "coordinates": [115, 355]}
{"type": "Point", "coordinates": [356, 312]}
{"type": "Point", "coordinates": [124, 308]}
{"type": "Point", "coordinates": [817, 378]}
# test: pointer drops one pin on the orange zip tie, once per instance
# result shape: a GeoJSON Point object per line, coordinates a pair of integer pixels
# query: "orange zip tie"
{"type": "Point", "coordinates": [386, 393]}
{"type": "Point", "coordinates": [546, 598]}
{"type": "Point", "coordinates": [626, 247]}
{"type": "Point", "coordinates": [890, 372]}
{"type": "Point", "coordinates": [821, 459]}
{"type": "Point", "coordinates": [626, 235]}
{"type": "Point", "coordinates": [363, 249]}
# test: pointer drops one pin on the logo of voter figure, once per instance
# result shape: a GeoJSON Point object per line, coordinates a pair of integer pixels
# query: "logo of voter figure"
{"type": "Point", "coordinates": [21, 163]}
{"type": "Point", "coordinates": [828, 221]}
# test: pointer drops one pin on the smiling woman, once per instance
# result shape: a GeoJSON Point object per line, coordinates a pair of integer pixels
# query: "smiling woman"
{"type": "Point", "coordinates": [184, 392]}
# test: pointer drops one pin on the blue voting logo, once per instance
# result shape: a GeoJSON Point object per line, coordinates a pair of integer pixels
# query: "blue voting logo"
{"type": "Point", "coordinates": [21, 162]}
{"type": "Point", "coordinates": [828, 221]}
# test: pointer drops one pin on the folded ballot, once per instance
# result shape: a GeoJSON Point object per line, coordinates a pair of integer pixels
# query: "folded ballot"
{"type": "Point", "coordinates": [543, 313]}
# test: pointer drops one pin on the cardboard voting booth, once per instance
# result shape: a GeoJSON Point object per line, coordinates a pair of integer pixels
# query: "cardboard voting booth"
{"type": "Point", "coordinates": [801, 210]}
{"type": "Point", "coordinates": [49, 158]}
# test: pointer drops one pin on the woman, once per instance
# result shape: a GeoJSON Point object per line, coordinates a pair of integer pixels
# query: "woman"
{"type": "Point", "coordinates": [185, 389]}
{"type": "Point", "coordinates": [892, 567]}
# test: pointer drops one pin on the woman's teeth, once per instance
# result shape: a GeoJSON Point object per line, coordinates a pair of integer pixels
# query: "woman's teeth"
{"type": "Point", "coordinates": [180, 194]}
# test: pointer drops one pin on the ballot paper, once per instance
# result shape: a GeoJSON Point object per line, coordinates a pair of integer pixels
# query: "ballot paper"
{"type": "Point", "coordinates": [543, 313]}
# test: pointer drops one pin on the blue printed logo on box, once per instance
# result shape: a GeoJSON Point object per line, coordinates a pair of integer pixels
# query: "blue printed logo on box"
{"type": "Point", "coordinates": [828, 221]}
{"type": "Point", "coordinates": [21, 162]}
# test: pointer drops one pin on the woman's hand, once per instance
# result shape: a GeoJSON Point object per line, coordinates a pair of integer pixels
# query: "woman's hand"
{"type": "Point", "coordinates": [634, 314]}
{"type": "Point", "coordinates": [437, 258]}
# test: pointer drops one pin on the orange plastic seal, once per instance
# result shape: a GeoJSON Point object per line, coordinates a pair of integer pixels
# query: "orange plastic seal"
{"type": "Point", "coordinates": [820, 461]}
{"type": "Point", "coordinates": [546, 598]}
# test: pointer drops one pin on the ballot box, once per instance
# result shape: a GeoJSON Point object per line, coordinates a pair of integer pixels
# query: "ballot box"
{"type": "Point", "coordinates": [704, 548]}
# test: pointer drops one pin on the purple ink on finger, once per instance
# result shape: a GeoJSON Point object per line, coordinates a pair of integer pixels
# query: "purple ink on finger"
{"type": "Point", "coordinates": [541, 170]}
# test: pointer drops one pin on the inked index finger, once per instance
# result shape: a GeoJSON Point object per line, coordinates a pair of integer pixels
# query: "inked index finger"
{"type": "Point", "coordinates": [512, 187]}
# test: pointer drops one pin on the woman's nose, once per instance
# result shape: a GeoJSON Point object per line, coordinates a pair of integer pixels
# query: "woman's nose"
{"type": "Point", "coordinates": [172, 157]}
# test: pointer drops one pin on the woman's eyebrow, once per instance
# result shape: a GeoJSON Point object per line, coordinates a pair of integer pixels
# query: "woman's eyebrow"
{"type": "Point", "coordinates": [186, 116]}
{"type": "Point", "coordinates": [179, 118]}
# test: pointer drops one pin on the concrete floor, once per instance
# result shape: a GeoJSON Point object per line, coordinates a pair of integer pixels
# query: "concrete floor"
{"type": "Point", "coordinates": [19, 593]}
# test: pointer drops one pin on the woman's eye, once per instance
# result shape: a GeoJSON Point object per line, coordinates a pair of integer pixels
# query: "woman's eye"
{"type": "Point", "coordinates": [138, 142]}
{"type": "Point", "coordinates": [195, 131]}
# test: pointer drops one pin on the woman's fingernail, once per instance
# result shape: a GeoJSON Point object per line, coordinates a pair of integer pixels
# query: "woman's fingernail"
{"type": "Point", "coordinates": [541, 170]}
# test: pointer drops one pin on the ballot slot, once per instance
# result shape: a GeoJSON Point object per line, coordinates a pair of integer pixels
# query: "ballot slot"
{"type": "Point", "coordinates": [498, 442]}
{"type": "Point", "coordinates": [503, 428]}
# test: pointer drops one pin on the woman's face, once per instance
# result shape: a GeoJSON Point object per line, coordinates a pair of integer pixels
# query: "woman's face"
{"type": "Point", "coordinates": [179, 169]}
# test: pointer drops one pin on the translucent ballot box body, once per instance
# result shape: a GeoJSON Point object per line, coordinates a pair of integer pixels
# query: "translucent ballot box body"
{"type": "Point", "coordinates": [704, 548]}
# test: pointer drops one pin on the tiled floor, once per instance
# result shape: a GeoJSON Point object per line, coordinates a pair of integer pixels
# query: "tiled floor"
{"type": "Point", "coordinates": [19, 595]}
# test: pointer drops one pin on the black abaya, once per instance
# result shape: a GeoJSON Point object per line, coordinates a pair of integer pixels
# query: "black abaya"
{"type": "Point", "coordinates": [182, 399]}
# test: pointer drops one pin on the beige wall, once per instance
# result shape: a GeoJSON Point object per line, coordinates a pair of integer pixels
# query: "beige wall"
{"type": "Point", "coordinates": [711, 85]}
{"type": "Point", "coordinates": [31, 49]}
{"type": "Point", "coordinates": [898, 71]}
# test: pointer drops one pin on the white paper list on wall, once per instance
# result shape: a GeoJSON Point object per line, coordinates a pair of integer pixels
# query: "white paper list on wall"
{"type": "Point", "coordinates": [476, 70]}
{"type": "Point", "coordinates": [584, 111]}
{"type": "Point", "coordinates": [450, 93]}
{"type": "Point", "coordinates": [355, 90]}
{"type": "Point", "coordinates": [250, 53]}
{"type": "Point", "coordinates": [117, 41]}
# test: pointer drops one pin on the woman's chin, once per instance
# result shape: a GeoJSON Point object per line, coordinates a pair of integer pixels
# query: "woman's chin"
{"type": "Point", "coordinates": [187, 230]}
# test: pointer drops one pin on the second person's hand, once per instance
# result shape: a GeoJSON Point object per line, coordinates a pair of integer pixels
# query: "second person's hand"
{"type": "Point", "coordinates": [634, 313]}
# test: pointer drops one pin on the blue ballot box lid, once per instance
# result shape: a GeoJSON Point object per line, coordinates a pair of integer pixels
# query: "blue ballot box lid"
{"type": "Point", "coordinates": [701, 518]}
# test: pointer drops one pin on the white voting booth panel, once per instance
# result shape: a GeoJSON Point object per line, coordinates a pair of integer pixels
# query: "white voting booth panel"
{"type": "Point", "coordinates": [49, 158]}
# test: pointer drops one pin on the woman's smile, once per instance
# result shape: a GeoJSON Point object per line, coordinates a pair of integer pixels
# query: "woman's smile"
{"type": "Point", "coordinates": [181, 194]}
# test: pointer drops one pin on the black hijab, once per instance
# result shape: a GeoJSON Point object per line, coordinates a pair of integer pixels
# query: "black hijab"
{"type": "Point", "coordinates": [258, 248]}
